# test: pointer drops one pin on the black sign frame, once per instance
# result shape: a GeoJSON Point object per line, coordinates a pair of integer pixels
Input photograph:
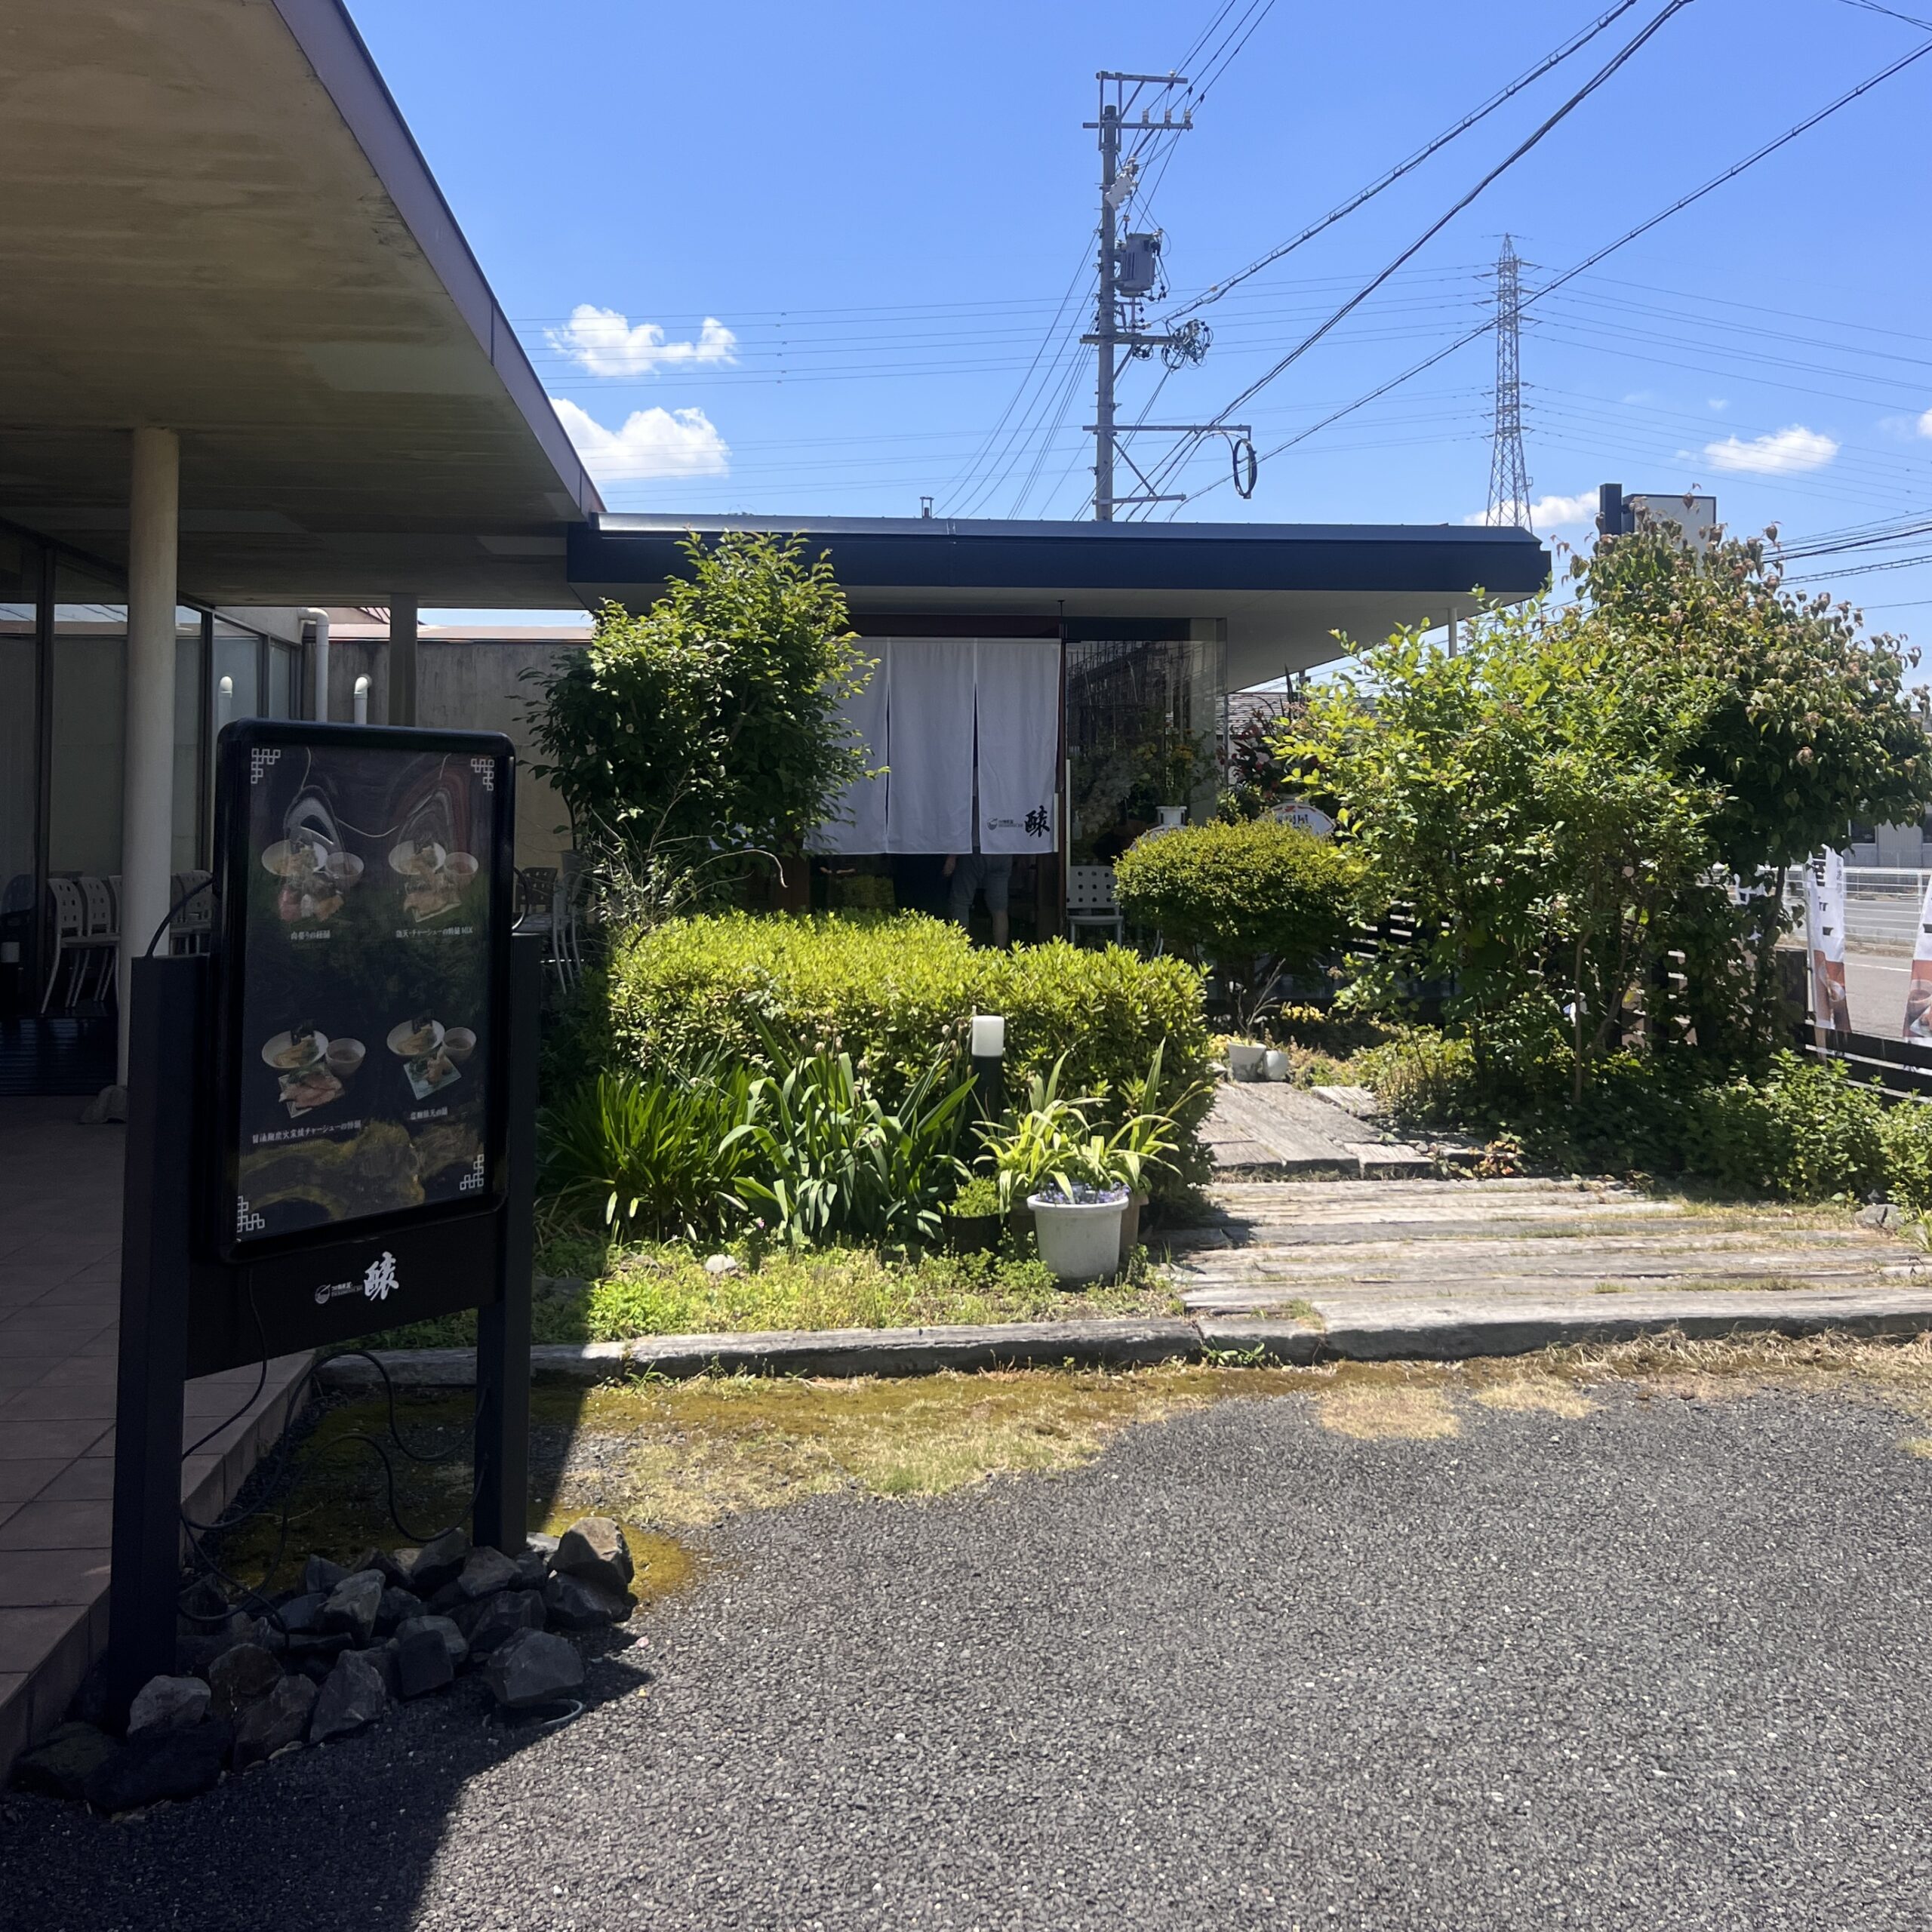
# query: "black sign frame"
{"type": "Point", "coordinates": [185, 1311]}
{"type": "Point", "coordinates": [239, 744]}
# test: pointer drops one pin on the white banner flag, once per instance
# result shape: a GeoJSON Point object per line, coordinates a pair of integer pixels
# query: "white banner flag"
{"type": "Point", "coordinates": [1824, 918]}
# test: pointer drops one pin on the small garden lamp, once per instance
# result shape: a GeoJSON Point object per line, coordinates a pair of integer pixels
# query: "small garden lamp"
{"type": "Point", "coordinates": [988, 1047]}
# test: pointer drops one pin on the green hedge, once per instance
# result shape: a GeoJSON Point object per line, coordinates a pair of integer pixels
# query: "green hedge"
{"type": "Point", "coordinates": [896, 992]}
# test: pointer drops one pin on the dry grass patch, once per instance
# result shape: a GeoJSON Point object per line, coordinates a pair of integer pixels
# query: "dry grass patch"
{"type": "Point", "coordinates": [1530, 1393]}
{"type": "Point", "coordinates": [1383, 1411]}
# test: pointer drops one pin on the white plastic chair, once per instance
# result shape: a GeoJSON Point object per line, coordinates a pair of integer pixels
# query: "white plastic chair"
{"type": "Point", "coordinates": [1091, 903]}
{"type": "Point", "coordinates": [74, 935]}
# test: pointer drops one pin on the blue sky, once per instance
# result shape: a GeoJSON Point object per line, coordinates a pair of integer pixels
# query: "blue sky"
{"type": "Point", "coordinates": [800, 259]}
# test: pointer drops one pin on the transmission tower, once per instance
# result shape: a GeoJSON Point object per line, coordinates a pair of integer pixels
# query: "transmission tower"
{"type": "Point", "coordinates": [1508, 472]}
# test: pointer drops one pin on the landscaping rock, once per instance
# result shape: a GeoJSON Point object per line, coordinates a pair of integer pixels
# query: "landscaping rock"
{"type": "Point", "coordinates": [532, 1566]}
{"type": "Point", "coordinates": [352, 1605]}
{"type": "Point", "coordinates": [422, 1664]}
{"type": "Point", "coordinates": [242, 1676]}
{"type": "Point", "coordinates": [593, 1548]}
{"type": "Point", "coordinates": [486, 1572]}
{"type": "Point", "coordinates": [458, 1645]}
{"type": "Point", "coordinates": [302, 1615]}
{"type": "Point", "coordinates": [575, 1603]}
{"type": "Point", "coordinates": [1881, 1214]}
{"type": "Point", "coordinates": [381, 1658]}
{"type": "Point", "coordinates": [316, 1656]}
{"type": "Point", "coordinates": [532, 1667]}
{"type": "Point", "coordinates": [280, 1718]}
{"type": "Point", "coordinates": [61, 1764]}
{"type": "Point", "coordinates": [353, 1697]}
{"type": "Point", "coordinates": [168, 1703]}
{"type": "Point", "coordinates": [396, 1604]}
{"type": "Point", "coordinates": [439, 1562]}
{"type": "Point", "coordinates": [193, 1656]}
{"type": "Point", "coordinates": [168, 1764]}
{"type": "Point", "coordinates": [319, 1573]}
{"type": "Point", "coordinates": [393, 1573]}
{"type": "Point", "coordinates": [723, 1264]}
{"type": "Point", "coordinates": [448, 1599]}
{"type": "Point", "coordinates": [503, 1617]}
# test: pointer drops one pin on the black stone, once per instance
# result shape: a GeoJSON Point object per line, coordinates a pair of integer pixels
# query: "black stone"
{"type": "Point", "coordinates": [280, 1718]}
{"type": "Point", "coordinates": [319, 1574]}
{"type": "Point", "coordinates": [422, 1664]}
{"type": "Point", "coordinates": [532, 1668]}
{"type": "Point", "coordinates": [302, 1616]}
{"type": "Point", "coordinates": [62, 1763]}
{"type": "Point", "coordinates": [353, 1697]}
{"type": "Point", "coordinates": [241, 1676]}
{"type": "Point", "coordinates": [438, 1562]}
{"type": "Point", "coordinates": [172, 1763]}
{"type": "Point", "coordinates": [575, 1603]}
{"type": "Point", "coordinates": [397, 1604]}
{"type": "Point", "coordinates": [503, 1617]}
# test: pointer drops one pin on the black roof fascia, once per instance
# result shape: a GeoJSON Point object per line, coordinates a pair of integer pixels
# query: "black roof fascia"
{"type": "Point", "coordinates": [889, 552]}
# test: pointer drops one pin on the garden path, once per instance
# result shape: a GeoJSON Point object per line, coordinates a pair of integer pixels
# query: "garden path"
{"type": "Point", "coordinates": [1334, 1246]}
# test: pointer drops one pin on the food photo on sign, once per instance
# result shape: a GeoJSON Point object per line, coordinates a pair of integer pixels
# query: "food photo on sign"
{"type": "Point", "coordinates": [365, 966]}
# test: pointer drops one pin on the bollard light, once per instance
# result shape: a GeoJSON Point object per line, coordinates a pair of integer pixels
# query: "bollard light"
{"type": "Point", "coordinates": [989, 1051]}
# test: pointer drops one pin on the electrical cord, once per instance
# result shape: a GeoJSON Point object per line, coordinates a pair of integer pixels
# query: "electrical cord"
{"type": "Point", "coordinates": [175, 912]}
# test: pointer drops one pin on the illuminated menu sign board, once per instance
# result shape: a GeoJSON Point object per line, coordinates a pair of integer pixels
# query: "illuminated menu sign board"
{"type": "Point", "coordinates": [366, 901]}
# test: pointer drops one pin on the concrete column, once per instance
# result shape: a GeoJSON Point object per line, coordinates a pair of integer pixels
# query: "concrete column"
{"type": "Point", "coordinates": [147, 808]}
{"type": "Point", "coordinates": [402, 660]}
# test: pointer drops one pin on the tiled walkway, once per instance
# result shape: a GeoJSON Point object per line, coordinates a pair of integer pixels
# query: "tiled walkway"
{"type": "Point", "coordinates": [60, 1290]}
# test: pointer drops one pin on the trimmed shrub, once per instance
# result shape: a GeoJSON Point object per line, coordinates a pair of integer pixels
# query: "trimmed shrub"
{"type": "Point", "coordinates": [897, 994]}
{"type": "Point", "coordinates": [1807, 1131]}
{"type": "Point", "coordinates": [1240, 895]}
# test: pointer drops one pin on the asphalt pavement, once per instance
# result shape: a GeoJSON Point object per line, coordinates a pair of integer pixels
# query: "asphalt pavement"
{"type": "Point", "coordinates": [1667, 1664]}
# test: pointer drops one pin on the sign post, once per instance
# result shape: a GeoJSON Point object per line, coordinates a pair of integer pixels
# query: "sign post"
{"type": "Point", "coordinates": [331, 1118]}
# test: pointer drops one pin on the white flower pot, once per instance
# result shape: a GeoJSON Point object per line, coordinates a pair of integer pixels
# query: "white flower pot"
{"type": "Point", "coordinates": [1173, 817]}
{"type": "Point", "coordinates": [1276, 1065]}
{"type": "Point", "coordinates": [1246, 1062]}
{"type": "Point", "coordinates": [1079, 1240]}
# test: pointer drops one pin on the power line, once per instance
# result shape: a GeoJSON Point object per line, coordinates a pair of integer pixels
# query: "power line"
{"type": "Point", "coordinates": [1577, 41]}
{"type": "Point", "coordinates": [1589, 261]}
{"type": "Point", "coordinates": [1596, 80]}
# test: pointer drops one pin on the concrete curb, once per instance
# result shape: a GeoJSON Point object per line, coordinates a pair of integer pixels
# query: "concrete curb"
{"type": "Point", "coordinates": [1391, 1332]}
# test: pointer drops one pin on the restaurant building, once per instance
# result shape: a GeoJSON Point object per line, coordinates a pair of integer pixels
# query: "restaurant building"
{"type": "Point", "coordinates": [255, 390]}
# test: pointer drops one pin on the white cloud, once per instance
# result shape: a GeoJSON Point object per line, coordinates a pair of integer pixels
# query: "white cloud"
{"type": "Point", "coordinates": [603, 343]}
{"type": "Point", "coordinates": [1786, 452]}
{"type": "Point", "coordinates": [650, 442]}
{"type": "Point", "coordinates": [1925, 424]}
{"type": "Point", "coordinates": [1719, 403]}
{"type": "Point", "coordinates": [1550, 512]}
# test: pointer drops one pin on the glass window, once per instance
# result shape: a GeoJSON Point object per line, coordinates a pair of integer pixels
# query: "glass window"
{"type": "Point", "coordinates": [90, 699]}
{"type": "Point", "coordinates": [235, 690]}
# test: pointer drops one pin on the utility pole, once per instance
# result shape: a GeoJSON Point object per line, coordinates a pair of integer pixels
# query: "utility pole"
{"type": "Point", "coordinates": [1508, 472]}
{"type": "Point", "coordinates": [1129, 274]}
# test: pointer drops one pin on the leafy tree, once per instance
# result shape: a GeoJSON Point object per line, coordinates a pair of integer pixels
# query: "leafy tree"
{"type": "Point", "coordinates": [1567, 804]}
{"type": "Point", "coordinates": [711, 721]}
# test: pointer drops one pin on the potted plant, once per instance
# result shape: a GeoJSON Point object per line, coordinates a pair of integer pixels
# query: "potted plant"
{"type": "Point", "coordinates": [973, 1217]}
{"type": "Point", "coordinates": [1080, 1185]}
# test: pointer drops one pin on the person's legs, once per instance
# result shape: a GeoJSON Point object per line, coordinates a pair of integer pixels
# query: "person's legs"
{"type": "Point", "coordinates": [997, 880]}
{"type": "Point", "coordinates": [965, 883]}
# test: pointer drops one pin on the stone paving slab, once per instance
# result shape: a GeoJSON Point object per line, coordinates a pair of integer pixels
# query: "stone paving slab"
{"type": "Point", "coordinates": [60, 1298]}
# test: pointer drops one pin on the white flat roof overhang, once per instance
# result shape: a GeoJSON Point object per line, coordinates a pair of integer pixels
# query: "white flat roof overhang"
{"type": "Point", "coordinates": [217, 222]}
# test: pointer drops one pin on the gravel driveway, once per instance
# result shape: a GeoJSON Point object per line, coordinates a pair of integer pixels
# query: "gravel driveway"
{"type": "Point", "coordinates": [1664, 1664]}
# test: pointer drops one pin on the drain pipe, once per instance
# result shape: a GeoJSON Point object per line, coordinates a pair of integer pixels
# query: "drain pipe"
{"type": "Point", "coordinates": [319, 664]}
